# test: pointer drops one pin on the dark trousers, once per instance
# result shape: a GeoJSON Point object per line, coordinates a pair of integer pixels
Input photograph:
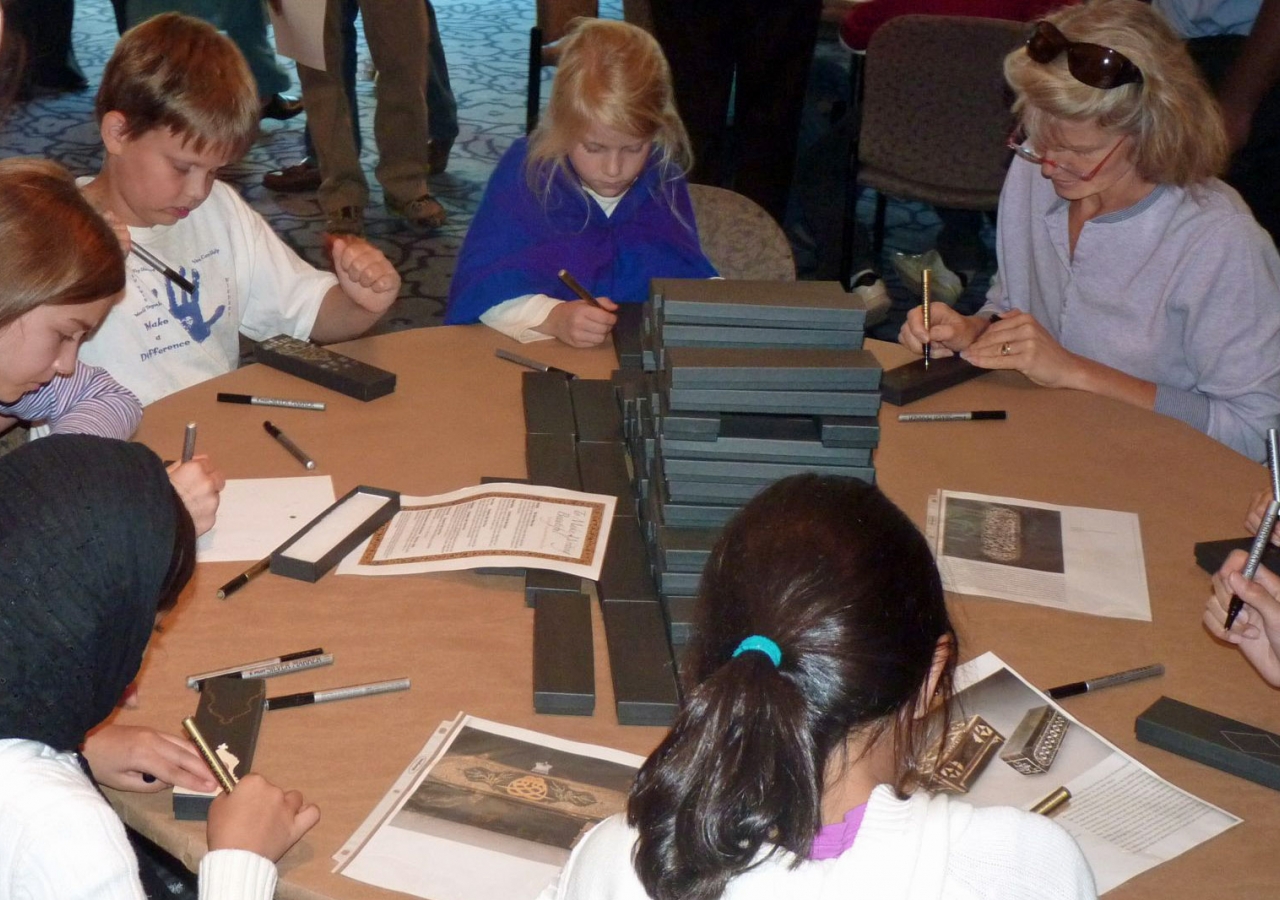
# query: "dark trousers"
{"type": "Point", "coordinates": [1255, 167]}
{"type": "Point", "coordinates": [755, 53]}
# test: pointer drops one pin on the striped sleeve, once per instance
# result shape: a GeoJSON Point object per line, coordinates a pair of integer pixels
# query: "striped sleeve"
{"type": "Point", "coordinates": [88, 401]}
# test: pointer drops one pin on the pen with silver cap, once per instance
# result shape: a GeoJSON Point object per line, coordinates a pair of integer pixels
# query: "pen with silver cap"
{"type": "Point", "coordinates": [294, 450]}
{"type": "Point", "coordinates": [530, 363]}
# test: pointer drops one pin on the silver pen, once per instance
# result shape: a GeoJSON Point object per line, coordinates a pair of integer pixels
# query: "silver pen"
{"type": "Point", "coordinates": [315, 405]}
{"type": "Point", "coordinates": [343, 693]}
{"type": "Point", "coordinates": [529, 363]}
{"type": "Point", "coordinates": [294, 450]}
{"type": "Point", "coordinates": [189, 442]}
{"type": "Point", "coordinates": [160, 266]}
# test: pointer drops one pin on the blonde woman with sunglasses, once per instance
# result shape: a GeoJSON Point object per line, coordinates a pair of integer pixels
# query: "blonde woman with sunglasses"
{"type": "Point", "coordinates": [1127, 268]}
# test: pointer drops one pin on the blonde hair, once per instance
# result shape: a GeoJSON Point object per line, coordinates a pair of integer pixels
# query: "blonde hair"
{"type": "Point", "coordinates": [39, 198]}
{"type": "Point", "coordinates": [181, 74]}
{"type": "Point", "coordinates": [613, 74]}
{"type": "Point", "coordinates": [1173, 120]}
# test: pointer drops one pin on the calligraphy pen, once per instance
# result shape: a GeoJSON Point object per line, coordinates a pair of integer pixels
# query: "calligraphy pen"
{"type": "Point", "coordinates": [160, 266]}
{"type": "Point", "coordinates": [578, 289]}
{"type": "Point", "coordinates": [1264, 529]}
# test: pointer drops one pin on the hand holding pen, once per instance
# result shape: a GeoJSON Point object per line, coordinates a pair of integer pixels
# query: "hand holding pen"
{"type": "Point", "coordinates": [585, 324]}
{"type": "Point", "coordinates": [198, 484]}
{"type": "Point", "coordinates": [1265, 526]}
{"type": "Point", "coordinates": [1256, 630]}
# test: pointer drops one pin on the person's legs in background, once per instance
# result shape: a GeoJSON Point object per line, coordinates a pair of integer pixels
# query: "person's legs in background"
{"type": "Point", "coordinates": [442, 106]}
{"type": "Point", "coordinates": [45, 26]}
{"type": "Point", "coordinates": [245, 22]}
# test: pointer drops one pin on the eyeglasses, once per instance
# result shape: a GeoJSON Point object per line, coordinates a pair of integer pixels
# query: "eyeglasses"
{"type": "Point", "coordinates": [1017, 142]}
{"type": "Point", "coordinates": [1091, 64]}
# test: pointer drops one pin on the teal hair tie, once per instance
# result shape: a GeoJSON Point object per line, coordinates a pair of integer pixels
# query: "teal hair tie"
{"type": "Point", "coordinates": [760, 644]}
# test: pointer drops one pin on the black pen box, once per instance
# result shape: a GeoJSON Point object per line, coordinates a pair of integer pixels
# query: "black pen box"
{"type": "Point", "coordinates": [229, 715]}
{"type": "Point", "coordinates": [330, 536]}
{"type": "Point", "coordinates": [324, 367]}
{"type": "Point", "coordinates": [1206, 737]}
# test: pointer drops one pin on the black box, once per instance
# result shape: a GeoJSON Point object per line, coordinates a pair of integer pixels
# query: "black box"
{"type": "Point", "coordinates": [603, 469]}
{"type": "Point", "coordinates": [1210, 555]}
{"type": "Point", "coordinates": [846, 431]}
{"type": "Point", "coordinates": [773, 369]}
{"type": "Point", "coordinates": [548, 408]}
{"type": "Point", "coordinates": [228, 713]}
{"type": "Point", "coordinates": [912, 381]}
{"type": "Point", "coordinates": [324, 367]}
{"type": "Point", "coordinates": [644, 678]}
{"type": "Point", "coordinates": [540, 582]}
{"type": "Point", "coordinates": [816, 403]}
{"type": "Point", "coordinates": [793, 304]}
{"type": "Point", "coordinates": [296, 558]}
{"type": "Point", "coordinates": [552, 459]}
{"type": "Point", "coordinates": [596, 412]}
{"type": "Point", "coordinates": [626, 574]}
{"type": "Point", "coordinates": [627, 332]}
{"type": "Point", "coordinates": [1214, 740]}
{"type": "Point", "coordinates": [564, 678]}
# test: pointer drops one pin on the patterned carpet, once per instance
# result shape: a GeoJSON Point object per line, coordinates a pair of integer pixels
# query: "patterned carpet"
{"type": "Point", "coordinates": [486, 44]}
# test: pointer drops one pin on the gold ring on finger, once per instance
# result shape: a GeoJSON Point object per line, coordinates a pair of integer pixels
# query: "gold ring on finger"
{"type": "Point", "coordinates": [1004, 348]}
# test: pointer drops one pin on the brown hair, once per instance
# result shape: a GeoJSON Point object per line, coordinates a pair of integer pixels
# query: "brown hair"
{"type": "Point", "coordinates": [39, 198]}
{"type": "Point", "coordinates": [844, 586]}
{"type": "Point", "coordinates": [1173, 120]}
{"type": "Point", "coordinates": [614, 74]}
{"type": "Point", "coordinates": [181, 74]}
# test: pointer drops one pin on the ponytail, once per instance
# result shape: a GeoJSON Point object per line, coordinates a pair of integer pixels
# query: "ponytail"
{"type": "Point", "coordinates": [737, 772]}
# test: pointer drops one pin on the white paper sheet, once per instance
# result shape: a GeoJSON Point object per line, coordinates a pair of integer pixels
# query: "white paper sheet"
{"type": "Point", "coordinates": [501, 525]}
{"type": "Point", "coordinates": [1065, 557]}
{"type": "Point", "coordinates": [257, 515]}
{"type": "Point", "coordinates": [300, 31]}
{"type": "Point", "coordinates": [413, 842]}
{"type": "Point", "coordinates": [1125, 818]}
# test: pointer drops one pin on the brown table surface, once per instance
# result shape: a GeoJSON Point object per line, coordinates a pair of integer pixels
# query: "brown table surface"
{"type": "Point", "coordinates": [466, 639]}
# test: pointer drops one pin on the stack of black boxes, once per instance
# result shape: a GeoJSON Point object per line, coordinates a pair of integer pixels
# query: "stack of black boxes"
{"type": "Point", "coordinates": [724, 387]}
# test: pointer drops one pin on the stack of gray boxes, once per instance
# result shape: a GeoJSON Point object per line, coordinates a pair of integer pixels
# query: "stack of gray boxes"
{"type": "Point", "coordinates": [727, 387]}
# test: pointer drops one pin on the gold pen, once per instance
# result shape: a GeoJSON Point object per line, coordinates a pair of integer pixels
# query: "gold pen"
{"type": "Point", "coordinates": [924, 309]}
{"type": "Point", "coordinates": [1050, 804]}
{"type": "Point", "coordinates": [225, 778]}
{"type": "Point", "coordinates": [578, 289]}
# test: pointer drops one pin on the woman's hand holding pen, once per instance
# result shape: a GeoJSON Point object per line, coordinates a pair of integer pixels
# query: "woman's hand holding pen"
{"type": "Point", "coordinates": [365, 275]}
{"type": "Point", "coordinates": [580, 324]}
{"type": "Point", "coordinates": [199, 485]}
{"type": "Point", "coordinates": [123, 756]}
{"type": "Point", "coordinates": [1256, 631]}
{"type": "Point", "coordinates": [949, 331]}
{"type": "Point", "coordinates": [260, 817]}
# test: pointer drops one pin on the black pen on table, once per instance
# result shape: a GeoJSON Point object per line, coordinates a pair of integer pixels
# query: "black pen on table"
{"type": "Point", "coordinates": [578, 289]}
{"type": "Point", "coordinates": [924, 310]}
{"type": "Point", "coordinates": [306, 698]}
{"type": "Point", "coordinates": [244, 578]}
{"type": "Point", "coordinates": [294, 450]}
{"type": "Point", "coordinates": [530, 363]}
{"type": "Point", "coordinates": [1094, 684]}
{"type": "Point", "coordinates": [189, 442]}
{"type": "Point", "coordinates": [1236, 606]}
{"type": "Point", "coordinates": [160, 266]}
{"type": "Point", "coordinates": [252, 400]}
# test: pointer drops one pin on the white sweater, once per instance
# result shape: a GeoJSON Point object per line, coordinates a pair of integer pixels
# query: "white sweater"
{"type": "Point", "coordinates": [923, 848]}
{"type": "Point", "coordinates": [60, 840]}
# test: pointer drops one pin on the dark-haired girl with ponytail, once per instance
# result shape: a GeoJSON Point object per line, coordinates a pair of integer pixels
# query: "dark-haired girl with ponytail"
{"type": "Point", "coordinates": [821, 659]}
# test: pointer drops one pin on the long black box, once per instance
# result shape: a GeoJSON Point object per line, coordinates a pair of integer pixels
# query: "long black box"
{"type": "Point", "coordinates": [817, 403]}
{"type": "Point", "coordinates": [305, 562]}
{"type": "Point", "coordinates": [595, 410]}
{"type": "Point", "coordinates": [548, 408]}
{"type": "Point", "coordinates": [912, 381]}
{"type": "Point", "coordinates": [773, 369]}
{"type": "Point", "coordinates": [644, 678]}
{"type": "Point", "coordinates": [564, 678]}
{"type": "Point", "coordinates": [1206, 737]}
{"type": "Point", "coordinates": [540, 582]}
{"type": "Point", "coordinates": [626, 574]}
{"type": "Point", "coordinates": [627, 332]}
{"type": "Point", "coordinates": [793, 304]}
{"type": "Point", "coordinates": [325, 367]}
{"type": "Point", "coordinates": [552, 459]}
{"type": "Point", "coordinates": [604, 469]}
{"type": "Point", "coordinates": [1210, 555]}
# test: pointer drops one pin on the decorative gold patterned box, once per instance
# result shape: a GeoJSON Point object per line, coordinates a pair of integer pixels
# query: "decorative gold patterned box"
{"type": "Point", "coordinates": [968, 747]}
{"type": "Point", "coordinates": [1035, 742]}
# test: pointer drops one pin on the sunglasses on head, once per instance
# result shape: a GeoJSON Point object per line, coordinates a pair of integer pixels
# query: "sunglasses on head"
{"type": "Point", "coordinates": [1091, 64]}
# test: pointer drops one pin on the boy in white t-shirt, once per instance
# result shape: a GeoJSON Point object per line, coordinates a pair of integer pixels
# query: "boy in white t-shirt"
{"type": "Point", "coordinates": [177, 103]}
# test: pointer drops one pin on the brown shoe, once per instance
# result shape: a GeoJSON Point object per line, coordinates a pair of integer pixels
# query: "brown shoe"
{"type": "Point", "coordinates": [425, 212]}
{"type": "Point", "coordinates": [296, 179]}
{"type": "Point", "coordinates": [438, 156]}
{"type": "Point", "coordinates": [346, 221]}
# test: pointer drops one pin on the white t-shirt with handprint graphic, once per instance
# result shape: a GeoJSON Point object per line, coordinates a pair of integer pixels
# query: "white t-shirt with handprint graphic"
{"type": "Point", "coordinates": [160, 339]}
